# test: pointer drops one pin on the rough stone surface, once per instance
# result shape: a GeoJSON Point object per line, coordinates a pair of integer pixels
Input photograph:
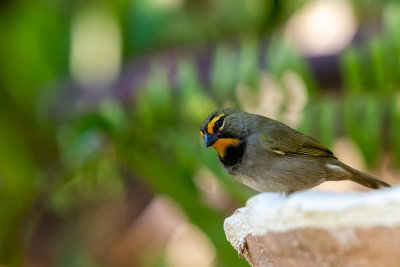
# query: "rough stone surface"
{"type": "Point", "coordinates": [319, 229]}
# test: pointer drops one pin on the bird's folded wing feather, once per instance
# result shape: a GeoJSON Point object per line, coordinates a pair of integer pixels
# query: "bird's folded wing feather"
{"type": "Point", "coordinates": [283, 140]}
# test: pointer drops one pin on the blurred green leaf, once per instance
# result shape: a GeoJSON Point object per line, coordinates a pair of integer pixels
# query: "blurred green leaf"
{"type": "Point", "coordinates": [224, 72]}
{"type": "Point", "coordinates": [195, 103]}
{"type": "Point", "coordinates": [18, 176]}
{"type": "Point", "coordinates": [282, 58]}
{"type": "Point", "coordinates": [249, 61]}
{"type": "Point", "coordinates": [363, 123]}
{"type": "Point", "coordinates": [328, 122]}
{"type": "Point", "coordinates": [376, 49]}
{"type": "Point", "coordinates": [351, 67]}
{"type": "Point", "coordinates": [395, 127]}
{"type": "Point", "coordinates": [36, 48]}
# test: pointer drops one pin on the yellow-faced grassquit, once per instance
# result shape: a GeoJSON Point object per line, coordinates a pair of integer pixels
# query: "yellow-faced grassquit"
{"type": "Point", "coordinates": [269, 156]}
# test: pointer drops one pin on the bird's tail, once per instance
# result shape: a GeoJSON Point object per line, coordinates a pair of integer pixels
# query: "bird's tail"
{"type": "Point", "coordinates": [363, 178]}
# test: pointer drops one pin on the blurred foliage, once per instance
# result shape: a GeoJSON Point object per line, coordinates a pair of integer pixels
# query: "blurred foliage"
{"type": "Point", "coordinates": [371, 83]}
{"type": "Point", "coordinates": [63, 146]}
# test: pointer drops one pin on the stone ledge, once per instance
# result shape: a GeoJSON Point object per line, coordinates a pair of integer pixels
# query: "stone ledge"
{"type": "Point", "coordinates": [313, 228]}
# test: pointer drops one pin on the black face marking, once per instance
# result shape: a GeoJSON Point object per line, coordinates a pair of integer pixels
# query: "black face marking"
{"type": "Point", "coordinates": [218, 124]}
{"type": "Point", "coordinates": [234, 155]}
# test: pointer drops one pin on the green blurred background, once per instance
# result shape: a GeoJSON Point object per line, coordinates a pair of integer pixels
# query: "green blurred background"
{"type": "Point", "coordinates": [101, 160]}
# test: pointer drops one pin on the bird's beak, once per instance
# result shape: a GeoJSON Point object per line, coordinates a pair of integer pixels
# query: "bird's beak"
{"type": "Point", "coordinates": [210, 139]}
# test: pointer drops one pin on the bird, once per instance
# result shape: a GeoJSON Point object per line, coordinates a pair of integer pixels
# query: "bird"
{"type": "Point", "coordinates": [269, 156]}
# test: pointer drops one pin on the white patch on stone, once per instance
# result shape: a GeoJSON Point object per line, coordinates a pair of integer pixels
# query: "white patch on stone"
{"type": "Point", "coordinates": [273, 212]}
{"type": "Point", "coordinates": [236, 229]}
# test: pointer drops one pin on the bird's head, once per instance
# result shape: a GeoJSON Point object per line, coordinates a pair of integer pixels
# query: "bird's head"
{"type": "Point", "coordinates": [223, 129]}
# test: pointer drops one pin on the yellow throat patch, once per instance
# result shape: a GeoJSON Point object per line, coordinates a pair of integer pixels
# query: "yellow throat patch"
{"type": "Point", "coordinates": [223, 143]}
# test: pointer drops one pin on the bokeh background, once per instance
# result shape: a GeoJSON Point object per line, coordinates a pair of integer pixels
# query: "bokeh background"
{"type": "Point", "coordinates": [101, 160]}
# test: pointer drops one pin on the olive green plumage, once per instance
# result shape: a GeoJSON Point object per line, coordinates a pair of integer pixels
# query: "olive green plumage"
{"type": "Point", "coordinates": [269, 156]}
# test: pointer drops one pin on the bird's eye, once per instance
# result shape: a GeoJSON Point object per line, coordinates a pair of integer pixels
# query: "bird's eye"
{"type": "Point", "coordinates": [219, 123]}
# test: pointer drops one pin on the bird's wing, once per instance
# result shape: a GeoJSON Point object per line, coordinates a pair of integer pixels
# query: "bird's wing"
{"type": "Point", "coordinates": [284, 140]}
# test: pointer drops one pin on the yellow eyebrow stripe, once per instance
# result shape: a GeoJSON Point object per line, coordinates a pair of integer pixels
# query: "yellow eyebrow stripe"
{"type": "Point", "coordinates": [211, 124]}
